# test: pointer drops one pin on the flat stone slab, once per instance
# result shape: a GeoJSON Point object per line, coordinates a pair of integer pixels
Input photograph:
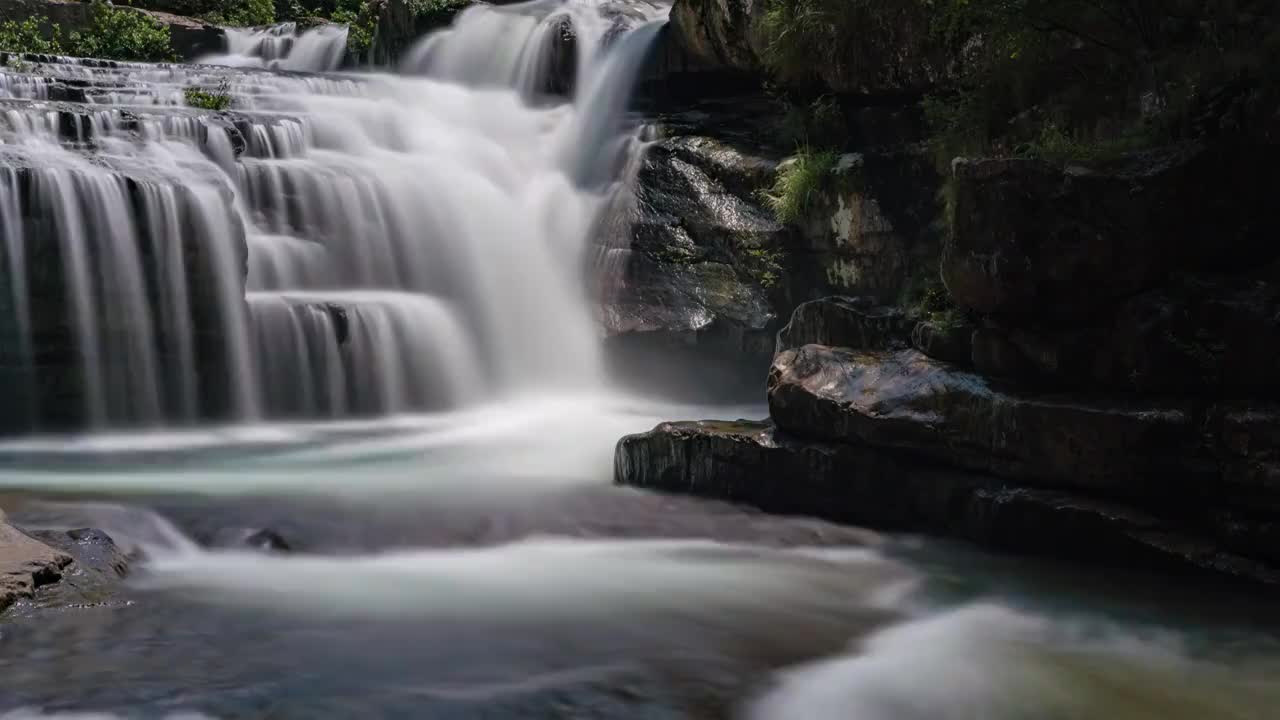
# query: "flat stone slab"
{"type": "Point", "coordinates": [1112, 446]}
{"type": "Point", "coordinates": [757, 464]}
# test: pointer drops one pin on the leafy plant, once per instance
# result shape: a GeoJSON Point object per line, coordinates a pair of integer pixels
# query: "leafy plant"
{"type": "Point", "coordinates": [799, 182]}
{"type": "Point", "coordinates": [849, 38]}
{"type": "Point", "coordinates": [121, 34]}
{"type": "Point", "coordinates": [1056, 145]}
{"type": "Point", "coordinates": [1085, 79]}
{"type": "Point", "coordinates": [925, 297]}
{"type": "Point", "coordinates": [217, 100]}
{"type": "Point", "coordinates": [361, 20]}
{"type": "Point", "coordinates": [244, 13]}
{"type": "Point", "coordinates": [26, 37]}
{"type": "Point", "coordinates": [431, 13]}
{"type": "Point", "coordinates": [764, 265]}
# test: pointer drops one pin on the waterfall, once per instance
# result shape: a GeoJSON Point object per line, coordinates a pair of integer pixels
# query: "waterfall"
{"type": "Point", "coordinates": [283, 47]}
{"type": "Point", "coordinates": [334, 245]}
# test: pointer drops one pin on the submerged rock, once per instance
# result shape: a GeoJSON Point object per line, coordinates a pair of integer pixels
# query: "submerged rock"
{"type": "Point", "coordinates": [26, 564]}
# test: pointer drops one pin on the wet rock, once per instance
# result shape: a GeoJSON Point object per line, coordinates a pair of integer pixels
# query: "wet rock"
{"type": "Point", "coordinates": [721, 35]}
{"type": "Point", "coordinates": [400, 24]}
{"type": "Point", "coordinates": [994, 355]}
{"type": "Point", "coordinates": [947, 341]}
{"type": "Point", "coordinates": [859, 323]}
{"type": "Point", "coordinates": [97, 573]}
{"type": "Point", "coordinates": [759, 465]}
{"type": "Point", "coordinates": [1034, 242]}
{"type": "Point", "coordinates": [26, 564]}
{"type": "Point", "coordinates": [260, 539]}
{"type": "Point", "coordinates": [691, 255]}
{"type": "Point", "coordinates": [906, 401]}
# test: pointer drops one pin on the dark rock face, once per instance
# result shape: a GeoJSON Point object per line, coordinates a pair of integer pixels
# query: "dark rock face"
{"type": "Point", "coordinates": [1195, 335]}
{"type": "Point", "coordinates": [845, 322]}
{"type": "Point", "coordinates": [721, 34]}
{"type": "Point", "coordinates": [871, 228]}
{"type": "Point", "coordinates": [695, 253]}
{"type": "Point", "coordinates": [759, 465]}
{"type": "Point", "coordinates": [1031, 241]}
{"type": "Point", "coordinates": [948, 342]}
{"type": "Point", "coordinates": [728, 39]}
{"type": "Point", "coordinates": [690, 253]}
{"type": "Point", "coordinates": [910, 402]}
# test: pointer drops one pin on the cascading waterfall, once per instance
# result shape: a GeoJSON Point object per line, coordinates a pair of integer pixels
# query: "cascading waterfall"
{"type": "Point", "coordinates": [284, 47]}
{"type": "Point", "coordinates": [335, 245]}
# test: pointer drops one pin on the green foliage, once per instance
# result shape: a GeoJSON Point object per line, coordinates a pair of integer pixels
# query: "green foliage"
{"type": "Point", "coordinates": [848, 37]}
{"type": "Point", "coordinates": [433, 13]}
{"type": "Point", "coordinates": [1056, 145]}
{"type": "Point", "coordinates": [219, 99]}
{"type": "Point", "coordinates": [26, 37]}
{"type": "Point", "coordinates": [1082, 79]}
{"type": "Point", "coordinates": [361, 20]}
{"type": "Point", "coordinates": [120, 34]}
{"type": "Point", "coordinates": [763, 265]}
{"type": "Point", "coordinates": [925, 297]}
{"type": "Point", "coordinates": [244, 13]}
{"type": "Point", "coordinates": [115, 34]}
{"type": "Point", "coordinates": [799, 182]}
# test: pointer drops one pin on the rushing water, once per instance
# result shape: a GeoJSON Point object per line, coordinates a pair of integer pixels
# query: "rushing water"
{"type": "Point", "coordinates": [284, 47]}
{"type": "Point", "coordinates": [352, 310]}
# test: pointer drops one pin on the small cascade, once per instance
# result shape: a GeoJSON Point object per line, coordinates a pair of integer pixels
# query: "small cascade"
{"type": "Point", "coordinates": [367, 353]}
{"type": "Point", "coordinates": [283, 47]}
{"type": "Point", "coordinates": [330, 246]}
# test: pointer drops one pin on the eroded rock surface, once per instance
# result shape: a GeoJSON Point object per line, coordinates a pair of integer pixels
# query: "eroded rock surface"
{"type": "Point", "coordinates": [757, 464]}
{"type": "Point", "coordinates": [26, 564]}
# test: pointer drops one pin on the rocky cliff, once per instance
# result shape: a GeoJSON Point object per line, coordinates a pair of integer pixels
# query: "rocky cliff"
{"type": "Point", "coordinates": [1062, 349]}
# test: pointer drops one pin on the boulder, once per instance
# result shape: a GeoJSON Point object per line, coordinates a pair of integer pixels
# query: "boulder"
{"type": "Point", "coordinates": [689, 254]}
{"type": "Point", "coordinates": [97, 573]}
{"type": "Point", "coordinates": [759, 465]}
{"type": "Point", "coordinates": [1033, 242]}
{"type": "Point", "coordinates": [26, 564]}
{"type": "Point", "coordinates": [906, 401]}
{"type": "Point", "coordinates": [859, 323]}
